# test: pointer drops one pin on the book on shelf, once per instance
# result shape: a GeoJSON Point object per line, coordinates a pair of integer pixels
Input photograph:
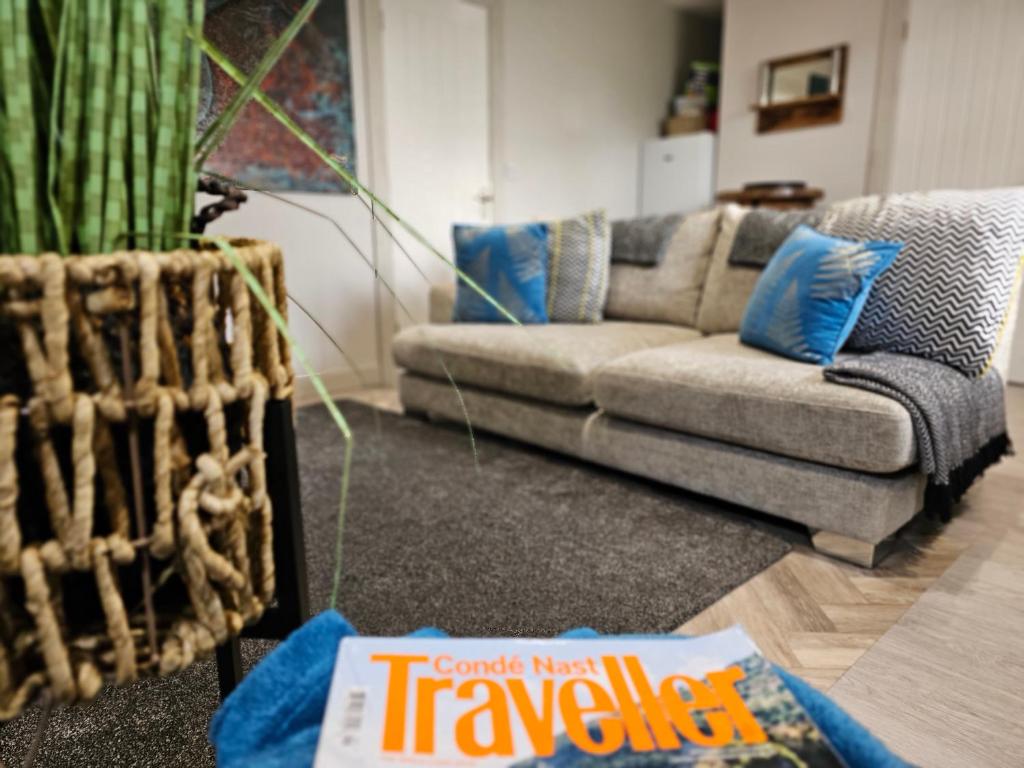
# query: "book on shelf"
{"type": "Point", "coordinates": [631, 703]}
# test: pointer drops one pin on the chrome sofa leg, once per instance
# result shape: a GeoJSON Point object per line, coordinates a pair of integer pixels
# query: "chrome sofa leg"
{"type": "Point", "coordinates": [851, 550]}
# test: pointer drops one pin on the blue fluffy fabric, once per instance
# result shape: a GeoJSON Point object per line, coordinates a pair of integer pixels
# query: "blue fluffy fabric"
{"type": "Point", "coordinates": [272, 720]}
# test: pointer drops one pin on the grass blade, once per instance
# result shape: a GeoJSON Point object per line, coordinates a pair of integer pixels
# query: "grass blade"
{"type": "Point", "coordinates": [380, 279]}
{"type": "Point", "coordinates": [218, 130]}
{"type": "Point", "coordinates": [282, 117]}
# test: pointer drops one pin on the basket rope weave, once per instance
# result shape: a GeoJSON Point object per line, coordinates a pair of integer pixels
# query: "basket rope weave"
{"type": "Point", "coordinates": [200, 348]}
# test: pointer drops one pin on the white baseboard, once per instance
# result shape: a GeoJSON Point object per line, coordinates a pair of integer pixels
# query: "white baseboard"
{"type": "Point", "coordinates": [338, 381]}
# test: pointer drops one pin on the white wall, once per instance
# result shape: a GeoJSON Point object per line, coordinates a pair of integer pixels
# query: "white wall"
{"type": "Point", "coordinates": [833, 157]}
{"type": "Point", "coordinates": [957, 119]}
{"type": "Point", "coordinates": [437, 139]}
{"type": "Point", "coordinates": [579, 84]}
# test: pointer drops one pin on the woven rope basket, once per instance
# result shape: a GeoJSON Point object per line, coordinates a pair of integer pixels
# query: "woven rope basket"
{"type": "Point", "coordinates": [135, 524]}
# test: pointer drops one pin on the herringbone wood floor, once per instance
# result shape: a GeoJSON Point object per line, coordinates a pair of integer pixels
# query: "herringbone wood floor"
{"type": "Point", "coordinates": [816, 616]}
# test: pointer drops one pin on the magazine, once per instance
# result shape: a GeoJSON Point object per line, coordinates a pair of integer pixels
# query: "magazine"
{"type": "Point", "coordinates": [628, 703]}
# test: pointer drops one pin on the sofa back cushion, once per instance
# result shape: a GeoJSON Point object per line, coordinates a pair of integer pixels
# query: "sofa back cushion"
{"type": "Point", "coordinates": [670, 291]}
{"type": "Point", "coordinates": [947, 296]}
{"type": "Point", "coordinates": [728, 286]}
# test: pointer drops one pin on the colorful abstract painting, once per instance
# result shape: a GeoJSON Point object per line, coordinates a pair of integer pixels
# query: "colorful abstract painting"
{"type": "Point", "coordinates": [311, 81]}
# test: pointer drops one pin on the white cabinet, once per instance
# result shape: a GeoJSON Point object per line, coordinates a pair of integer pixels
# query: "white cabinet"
{"type": "Point", "coordinates": [677, 174]}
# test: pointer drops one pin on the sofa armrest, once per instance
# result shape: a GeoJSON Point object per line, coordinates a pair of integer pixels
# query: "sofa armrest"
{"type": "Point", "coordinates": [441, 303]}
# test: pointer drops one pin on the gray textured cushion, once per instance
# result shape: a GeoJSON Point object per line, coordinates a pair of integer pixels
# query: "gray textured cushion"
{"type": "Point", "coordinates": [547, 362]}
{"type": "Point", "coordinates": [727, 288]}
{"type": "Point", "coordinates": [579, 250]}
{"type": "Point", "coordinates": [669, 292]}
{"type": "Point", "coordinates": [761, 233]}
{"type": "Point", "coordinates": [643, 241]}
{"type": "Point", "coordinates": [716, 387]}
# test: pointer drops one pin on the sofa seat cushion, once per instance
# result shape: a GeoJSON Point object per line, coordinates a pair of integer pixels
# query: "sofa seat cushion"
{"type": "Point", "coordinates": [719, 388]}
{"type": "Point", "coordinates": [553, 363]}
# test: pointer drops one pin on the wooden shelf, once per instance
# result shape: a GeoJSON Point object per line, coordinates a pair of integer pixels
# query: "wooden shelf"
{"type": "Point", "coordinates": [805, 113]}
{"type": "Point", "coordinates": [810, 101]}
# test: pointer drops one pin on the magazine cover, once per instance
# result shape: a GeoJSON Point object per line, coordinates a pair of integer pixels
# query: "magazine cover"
{"type": "Point", "coordinates": [711, 701]}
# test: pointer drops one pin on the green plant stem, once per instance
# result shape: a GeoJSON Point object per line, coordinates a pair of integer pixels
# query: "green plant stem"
{"type": "Point", "coordinates": [218, 130]}
{"type": "Point", "coordinates": [378, 277]}
{"type": "Point", "coordinates": [282, 117]}
{"type": "Point", "coordinates": [341, 230]}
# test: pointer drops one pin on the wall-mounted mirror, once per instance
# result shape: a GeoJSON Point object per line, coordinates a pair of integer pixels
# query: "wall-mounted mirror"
{"type": "Point", "coordinates": [802, 90]}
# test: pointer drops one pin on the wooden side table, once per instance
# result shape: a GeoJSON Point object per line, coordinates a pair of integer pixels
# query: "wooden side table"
{"type": "Point", "coordinates": [780, 197]}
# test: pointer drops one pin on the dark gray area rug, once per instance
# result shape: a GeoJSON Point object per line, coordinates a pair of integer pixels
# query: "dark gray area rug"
{"type": "Point", "coordinates": [522, 543]}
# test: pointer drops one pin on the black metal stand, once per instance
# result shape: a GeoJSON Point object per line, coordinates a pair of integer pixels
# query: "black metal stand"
{"type": "Point", "coordinates": [291, 607]}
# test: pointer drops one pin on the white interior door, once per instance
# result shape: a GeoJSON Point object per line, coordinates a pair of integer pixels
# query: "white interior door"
{"type": "Point", "coordinates": [436, 100]}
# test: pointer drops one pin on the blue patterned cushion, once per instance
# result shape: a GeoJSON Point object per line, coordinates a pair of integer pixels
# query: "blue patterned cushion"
{"type": "Point", "coordinates": [509, 263]}
{"type": "Point", "coordinates": [810, 295]}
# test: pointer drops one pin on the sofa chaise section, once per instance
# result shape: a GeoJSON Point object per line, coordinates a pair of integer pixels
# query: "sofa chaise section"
{"type": "Point", "coordinates": [853, 509]}
{"type": "Point", "coordinates": [718, 388]}
{"type": "Point", "coordinates": [849, 513]}
{"type": "Point", "coordinates": [703, 413]}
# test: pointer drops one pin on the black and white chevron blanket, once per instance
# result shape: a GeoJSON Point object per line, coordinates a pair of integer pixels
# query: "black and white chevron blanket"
{"type": "Point", "coordinates": [947, 295]}
{"type": "Point", "coordinates": [959, 421]}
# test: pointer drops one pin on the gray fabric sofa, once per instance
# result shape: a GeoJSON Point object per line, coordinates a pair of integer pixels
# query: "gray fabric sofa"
{"type": "Point", "coordinates": [681, 400]}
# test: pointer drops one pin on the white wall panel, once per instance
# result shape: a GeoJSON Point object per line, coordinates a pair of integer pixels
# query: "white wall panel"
{"type": "Point", "coordinates": [960, 114]}
{"type": "Point", "coordinates": [960, 109]}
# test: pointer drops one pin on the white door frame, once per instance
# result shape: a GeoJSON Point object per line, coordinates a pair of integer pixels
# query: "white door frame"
{"type": "Point", "coordinates": [367, 70]}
